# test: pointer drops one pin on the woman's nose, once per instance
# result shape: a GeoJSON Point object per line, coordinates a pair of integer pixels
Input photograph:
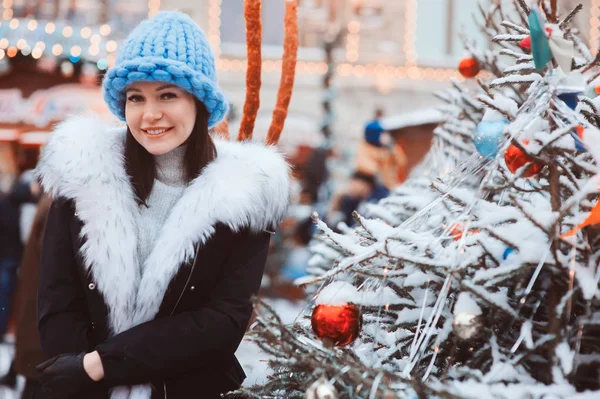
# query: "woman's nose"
{"type": "Point", "coordinates": [152, 111]}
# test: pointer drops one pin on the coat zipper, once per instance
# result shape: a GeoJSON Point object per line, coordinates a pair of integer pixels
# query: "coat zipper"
{"type": "Point", "coordinates": [187, 281]}
{"type": "Point", "coordinates": [181, 296]}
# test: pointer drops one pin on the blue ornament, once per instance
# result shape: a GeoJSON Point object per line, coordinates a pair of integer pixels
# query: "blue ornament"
{"type": "Point", "coordinates": [507, 252]}
{"type": "Point", "coordinates": [489, 137]}
{"type": "Point", "coordinates": [571, 99]}
{"type": "Point", "coordinates": [578, 139]}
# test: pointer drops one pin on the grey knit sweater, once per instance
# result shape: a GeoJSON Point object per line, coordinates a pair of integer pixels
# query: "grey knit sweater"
{"type": "Point", "coordinates": [167, 190]}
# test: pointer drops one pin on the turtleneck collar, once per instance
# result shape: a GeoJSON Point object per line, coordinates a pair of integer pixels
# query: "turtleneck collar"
{"type": "Point", "coordinates": [170, 169]}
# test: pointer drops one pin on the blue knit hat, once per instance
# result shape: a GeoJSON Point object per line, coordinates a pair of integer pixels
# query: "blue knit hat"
{"type": "Point", "coordinates": [171, 48]}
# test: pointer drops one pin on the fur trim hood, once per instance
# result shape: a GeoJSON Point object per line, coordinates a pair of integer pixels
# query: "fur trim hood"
{"type": "Point", "coordinates": [246, 186]}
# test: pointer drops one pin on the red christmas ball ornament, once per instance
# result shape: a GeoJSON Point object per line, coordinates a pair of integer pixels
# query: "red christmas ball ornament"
{"type": "Point", "coordinates": [515, 159]}
{"type": "Point", "coordinates": [457, 230]}
{"type": "Point", "coordinates": [526, 43]}
{"type": "Point", "coordinates": [338, 325]}
{"type": "Point", "coordinates": [469, 67]}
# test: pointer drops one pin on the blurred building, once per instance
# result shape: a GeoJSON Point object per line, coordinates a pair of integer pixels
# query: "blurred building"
{"type": "Point", "coordinates": [391, 54]}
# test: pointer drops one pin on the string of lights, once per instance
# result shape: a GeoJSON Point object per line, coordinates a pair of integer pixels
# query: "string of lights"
{"type": "Point", "coordinates": [350, 68]}
{"type": "Point", "coordinates": [353, 41]}
{"type": "Point", "coordinates": [60, 39]}
{"type": "Point", "coordinates": [594, 25]}
{"type": "Point", "coordinates": [410, 33]}
{"type": "Point", "coordinates": [153, 7]}
{"type": "Point", "coordinates": [94, 43]}
{"type": "Point", "coordinates": [214, 26]}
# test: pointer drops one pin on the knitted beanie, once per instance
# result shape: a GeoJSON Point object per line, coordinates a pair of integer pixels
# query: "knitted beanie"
{"type": "Point", "coordinates": [170, 47]}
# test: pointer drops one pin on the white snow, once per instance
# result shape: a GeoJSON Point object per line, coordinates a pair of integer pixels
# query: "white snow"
{"type": "Point", "coordinates": [414, 118]}
{"type": "Point", "coordinates": [565, 356]}
{"type": "Point", "coordinates": [466, 305]}
{"type": "Point", "coordinates": [338, 293]}
{"type": "Point", "coordinates": [251, 357]}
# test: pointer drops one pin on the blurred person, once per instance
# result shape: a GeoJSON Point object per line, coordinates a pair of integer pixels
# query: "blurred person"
{"type": "Point", "coordinates": [14, 227]}
{"type": "Point", "coordinates": [158, 234]}
{"type": "Point", "coordinates": [374, 130]}
{"type": "Point", "coordinates": [9, 169]}
{"type": "Point", "coordinates": [28, 352]}
{"type": "Point", "coordinates": [298, 256]}
{"type": "Point", "coordinates": [11, 249]}
{"type": "Point", "coordinates": [315, 174]}
{"type": "Point", "coordinates": [16, 218]}
{"type": "Point", "coordinates": [361, 188]}
{"type": "Point", "coordinates": [377, 155]}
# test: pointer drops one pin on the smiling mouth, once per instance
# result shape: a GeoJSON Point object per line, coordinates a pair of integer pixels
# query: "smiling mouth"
{"type": "Point", "coordinates": [156, 132]}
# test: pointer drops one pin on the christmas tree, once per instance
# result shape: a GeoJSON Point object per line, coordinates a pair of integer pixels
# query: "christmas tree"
{"type": "Point", "coordinates": [478, 277]}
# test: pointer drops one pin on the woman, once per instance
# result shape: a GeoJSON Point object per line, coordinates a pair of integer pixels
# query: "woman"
{"type": "Point", "coordinates": [158, 236]}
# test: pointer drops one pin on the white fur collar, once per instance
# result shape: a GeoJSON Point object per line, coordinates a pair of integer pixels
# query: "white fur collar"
{"type": "Point", "coordinates": [246, 186]}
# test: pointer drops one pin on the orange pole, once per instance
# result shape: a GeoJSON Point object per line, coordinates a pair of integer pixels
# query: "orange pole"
{"type": "Point", "coordinates": [253, 79]}
{"type": "Point", "coordinates": [288, 72]}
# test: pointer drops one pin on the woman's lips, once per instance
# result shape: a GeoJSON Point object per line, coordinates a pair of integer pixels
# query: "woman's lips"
{"type": "Point", "coordinates": [155, 136]}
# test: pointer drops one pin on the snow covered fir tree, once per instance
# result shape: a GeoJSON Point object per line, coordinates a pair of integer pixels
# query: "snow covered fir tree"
{"type": "Point", "coordinates": [478, 277]}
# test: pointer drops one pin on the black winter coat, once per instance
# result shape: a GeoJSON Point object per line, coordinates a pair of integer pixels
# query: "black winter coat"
{"type": "Point", "coordinates": [177, 324]}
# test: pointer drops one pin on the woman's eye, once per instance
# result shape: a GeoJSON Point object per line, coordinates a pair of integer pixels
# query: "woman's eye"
{"type": "Point", "coordinates": [168, 96]}
{"type": "Point", "coordinates": [135, 98]}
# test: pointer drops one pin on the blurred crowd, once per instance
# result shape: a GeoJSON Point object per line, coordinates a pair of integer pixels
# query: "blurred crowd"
{"type": "Point", "coordinates": [379, 165]}
{"type": "Point", "coordinates": [23, 211]}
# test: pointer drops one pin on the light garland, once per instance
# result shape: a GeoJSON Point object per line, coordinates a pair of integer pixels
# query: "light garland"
{"type": "Point", "coordinates": [105, 30]}
{"type": "Point", "coordinates": [74, 47]}
{"type": "Point", "coordinates": [349, 69]}
{"type": "Point", "coordinates": [57, 49]}
{"type": "Point", "coordinates": [86, 39]}
{"type": "Point", "coordinates": [111, 46]}
{"type": "Point", "coordinates": [410, 70]}
{"type": "Point", "coordinates": [153, 7]}
{"type": "Point", "coordinates": [67, 31]}
{"type": "Point", "coordinates": [86, 32]}
{"type": "Point", "coordinates": [352, 41]}
{"type": "Point", "coordinates": [76, 51]}
{"type": "Point", "coordinates": [214, 26]}
{"type": "Point", "coordinates": [36, 53]}
{"type": "Point", "coordinates": [594, 25]}
{"type": "Point", "coordinates": [410, 33]}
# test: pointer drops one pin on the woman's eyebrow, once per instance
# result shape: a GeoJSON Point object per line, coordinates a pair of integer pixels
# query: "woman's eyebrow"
{"type": "Point", "coordinates": [168, 86]}
{"type": "Point", "coordinates": [133, 89]}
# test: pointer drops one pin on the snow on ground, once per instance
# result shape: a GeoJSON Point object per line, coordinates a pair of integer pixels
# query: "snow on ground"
{"type": "Point", "coordinates": [253, 360]}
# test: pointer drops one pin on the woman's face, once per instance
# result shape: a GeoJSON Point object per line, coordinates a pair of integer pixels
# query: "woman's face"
{"type": "Point", "coordinates": [160, 115]}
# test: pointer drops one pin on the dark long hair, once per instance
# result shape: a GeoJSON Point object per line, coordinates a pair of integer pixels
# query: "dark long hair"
{"type": "Point", "coordinates": [140, 165]}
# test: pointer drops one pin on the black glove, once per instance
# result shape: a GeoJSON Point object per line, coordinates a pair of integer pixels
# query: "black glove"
{"type": "Point", "coordinates": [64, 376]}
